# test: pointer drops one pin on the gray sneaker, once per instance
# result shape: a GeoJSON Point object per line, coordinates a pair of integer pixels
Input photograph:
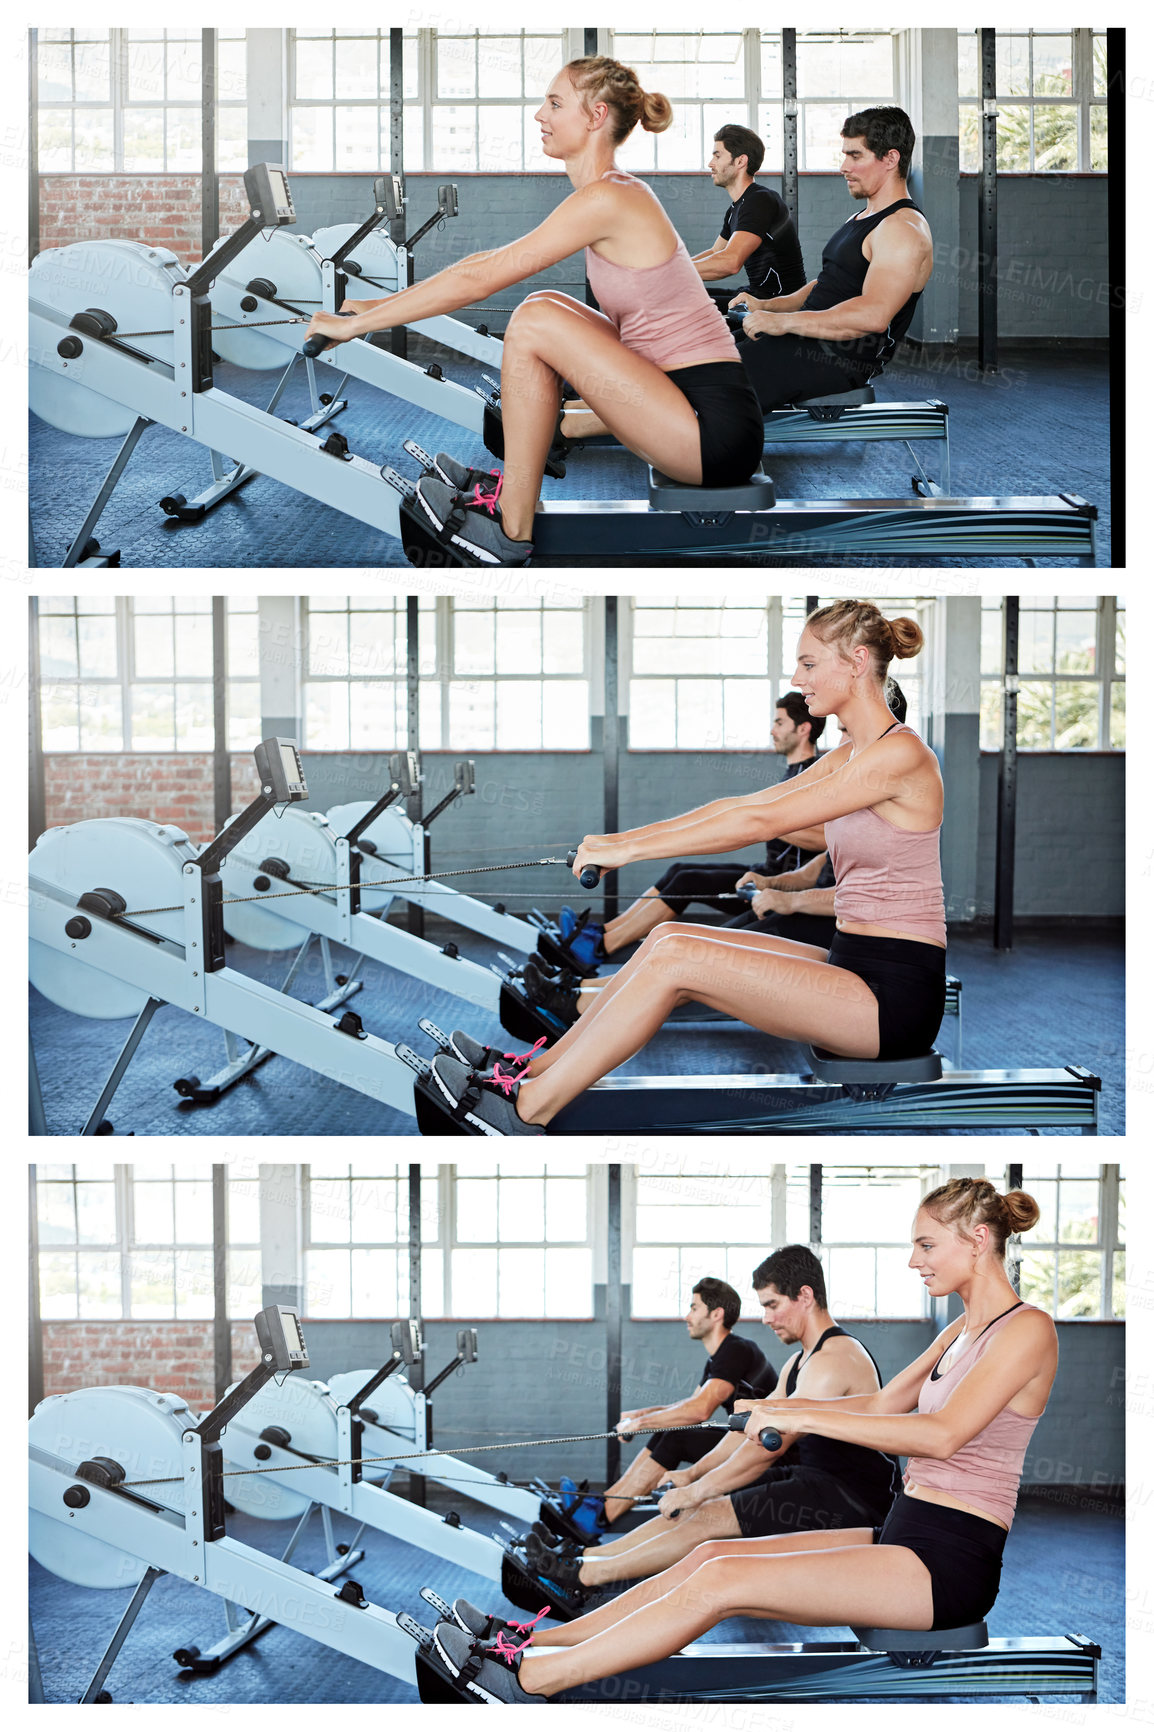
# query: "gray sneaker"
{"type": "Point", "coordinates": [460, 477]}
{"type": "Point", "coordinates": [477, 1670]}
{"type": "Point", "coordinates": [487, 1626]}
{"type": "Point", "coordinates": [470, 523]}
{"type": "Point", "coordinates": [482, 1058]}
{"type": "Point", "coordinates": [485, 1106]}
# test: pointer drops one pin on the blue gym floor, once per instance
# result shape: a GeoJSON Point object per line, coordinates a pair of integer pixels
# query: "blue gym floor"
{"type": "Point", "coordinates": [1056, 998]}
{"type": "Point", "coordinates": [1063, 1573]}
{"type": "Point", "coordinates": [1040, 426]}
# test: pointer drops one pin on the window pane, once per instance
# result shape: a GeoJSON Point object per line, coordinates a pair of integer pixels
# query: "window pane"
{"type": "Point", "coordinates": [328, 1284]}
{"type": "Point", "coordinates": [374, 1284]}
{"type": "Point", "coordinates": [1056, 139]}
{"type": "Point", "coordinates": [326, 717]}
{"type": "Point", "coordinates": [56, 1214]}
{"type": "Point", "coordinates": [565, 1206]}
{"type": "Point", "coordinates": [97, 645]}
{"type": "Point", "coordinates": [194, 1212]}
{"type": "Point", "coordinates": [312, 140]}
{"type": "Point", "coordinates": [1013, 65]}
{"type": "Point", "coordinates": [1118, 1305]}
{"type": "Point", "coordinates": [314, 71]}
{"type": "Point", "coordinates": [152, 1286]}
{"type": "Point", "coordinates": [152, 1214]}
{"type": "Point", "coordinates": [1053, 65]}
{"type": "Point", "coordinates": [521, 1284]}
{"type": "Point", "coordinates": [522, 1213]}
{"type": "Point", "coordinates": [143, 140]}
{"type": "Point", "coordinates": [1013, 139]}
{"type": "Point", "coordinates": [98, 1284]}
{"type": "Point", "coordinates": [850, 1279]}
{"type": "Point", "coordinates": [476, 1211]}
{"type": "Point", "coordinates": [1118, 716]}
{"type": "Point", "coordinates": [92, 72]}
{"type": "Point", "coordinates": [58, 649]}
{"type": "Point", "coordinates": [244, 1283]}
{"type": "Point", "coordinates": [456, 67]}
{"type": "Point", "coordinates": [1078, 1209]}
{"type": "Point", "coordinates": [653, 712]}
{"type": "Point", "coordinates": [471, 716]}
{"type": "Point", "coordinates": [57, 1284]}
{"type": "Point", "coordinates": [329, 1211]}
{"type": "Point", "coordinates": [194, 1294]}
{"type": "Point", "coordinates": [699, 715]}
{"type": "Point", "coordinates": [356, 70]}
{"type": "Point", "coordinates": [244, 1211]}
{"type": "Point", "coordinates": [474, 1283]}
{"type": "Point", "coordinates": [565, 716]}
{"type": "Point", "coordinates": [518, 715]}
{"type": "Point", "coordinates": [96, 1214]}
{"type": "Point", "coordinates": [656, 1282]}
{"type": "Point", "coordinates": [182, 64]}
{"type": "Point", "coordinates": [373, 644]}
{"type": "Point", "coordinates": [1099, 139]}
{"type": "Point", "coordinates": [54, 71]}
{"type": "Point", "coordinates": [54, 141]}
{"type": "Point", "coordinates": [374, 1212]}
{"type": "Point", "coordinates": [473, 643]}
{"type": "Point", "coordinates": [968, 63]}
{"type": "Point", "coordinates": [1036, 1285]}
{"type": "Point", "coordinates": [568, 1283]}
{"type": "Point", "coordinates": [1035, 707]}
{"type": "Point", "coordinates": [153, 643]}
{"type": "Point", "coordinates": [101, 719]}
{"type": "Point", "coordinates": [1079, 1283]}
{"type": "Point", "coordinates": [455, 138]}
{"type": "Point", "coordinates": [357, 137]}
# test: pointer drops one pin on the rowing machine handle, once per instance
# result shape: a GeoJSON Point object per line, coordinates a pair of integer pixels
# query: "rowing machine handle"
{"type": "Point", "coordinates": [318, 344]}
{"type": "Point", "coordinates": [590, 875]}
{"type": "Point", "coordinates": [767, 1437]}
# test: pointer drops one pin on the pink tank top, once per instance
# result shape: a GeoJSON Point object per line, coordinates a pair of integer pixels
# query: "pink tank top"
{"type": "Point", "coordinates": [985, 1472]}
{"type": "Point", "coordinates": [886, 876]}
{"type": "Point", "coordinates": [661, 311]}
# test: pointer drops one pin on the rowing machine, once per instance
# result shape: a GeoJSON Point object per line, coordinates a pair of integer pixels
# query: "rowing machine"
{"type": "Point", "coordinates": [98, 950]}
{"type": "Point", "coordinates": [148, 1499]}
{"type": "Point", "coordinates": [837, 1094]}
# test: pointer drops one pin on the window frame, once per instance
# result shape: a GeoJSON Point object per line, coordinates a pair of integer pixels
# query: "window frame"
{"type": "Point", "coordinates": [120, 103]}
{"type": "Point", "coordinates": [1082, 99]}
{"type": "Point", "coordinates": [1106, 675]}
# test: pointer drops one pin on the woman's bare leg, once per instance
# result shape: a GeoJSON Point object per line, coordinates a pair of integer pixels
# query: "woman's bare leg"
{"type": "Point", "coordinates": [659, 1544]}
{"type": "Point", "coordinates": [596, 1000]}
{"type": "Point", "coordinates": [552, 337]}
{"type": "Point", "coordinates": [842, 1584]}
{"type": "Point", "coordinates": [579, 421]}
{"type": "Point", "coordinates": [638, 920]}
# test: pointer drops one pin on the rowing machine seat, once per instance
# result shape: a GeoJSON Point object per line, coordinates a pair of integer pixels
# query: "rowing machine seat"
{"type": "Point", "coordinates": [831, 405]}
{"type": "Point", "coordinates": [867, 1071]}
{"type": "Point", "coordinates": [756, 494]}
{"type": "Point", "coordinates": [908, 1647]}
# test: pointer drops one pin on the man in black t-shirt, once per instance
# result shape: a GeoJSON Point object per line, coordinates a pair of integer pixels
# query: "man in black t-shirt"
{"type": "Point", "coordinates": [757, 231]}
{"type": "Point", "coordinates": [736, 1368]}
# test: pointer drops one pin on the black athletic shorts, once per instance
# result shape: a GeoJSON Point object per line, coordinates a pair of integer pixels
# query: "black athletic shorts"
{"type": "Point", "coordinates": [790, 1500]}
{"type": "Point", "coordinates": [782, 369]}
{"type": "Point", "coordinates": [907, 978]}
{"type": "Point", "coordinates": [729, 421]}
{"type": "Point", "coordinates": [674, 1449]}
{"type": "Point", "coordinates": [962, 1552]}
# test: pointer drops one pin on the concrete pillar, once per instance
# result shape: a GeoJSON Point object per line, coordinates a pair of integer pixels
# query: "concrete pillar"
{"type": "Point", "coordinates": [954, 702]}
{"type": "Point", "coordinates": [927, 63]}
{"type": "Point", "coordinates": [280, 640]}
{"type": "Point", "coordinates": [267, 68]}
{"type": "Point", "coordinates": [281, 1236]}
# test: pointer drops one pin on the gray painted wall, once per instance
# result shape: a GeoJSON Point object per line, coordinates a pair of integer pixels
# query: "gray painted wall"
{"type": "Point", "coordinates": [1071, 835]}
{"type": "Point", "coordinates": [1052, 236]}
{"type": "Point", "coordinates": [1071, 818]}
{"type": "Point", "coordinates": [548, 1380]}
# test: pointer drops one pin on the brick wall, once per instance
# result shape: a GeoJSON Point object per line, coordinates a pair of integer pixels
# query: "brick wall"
{"type": "Point", "coordinates": [163, 209]}
{"type": "Point", "coordinates": [169, 787]}
{"type": "Point", "coordinates": [167, 1357]}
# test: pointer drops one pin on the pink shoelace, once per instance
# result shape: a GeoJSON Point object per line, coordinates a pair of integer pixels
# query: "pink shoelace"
{"type": "Point", "coordinates": [488, 501]}
{"type": "Point", "coordinates": [504, 1649]}
{"type": "Point", "coordinates": [507, 1082]}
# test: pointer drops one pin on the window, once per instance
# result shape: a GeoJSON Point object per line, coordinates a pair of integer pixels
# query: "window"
{"type": "Point", "coordinates": [839, 72]}
{"type": "Point", "coordinates": [509, 1240]}
{"type": "Point", "coordinates": [136, 673]}
{"type": "Point", "coordinates": [1072, 673]}
{"type": "Point", "coordinates": [130, 100]}
{"type": "Point", "coordinates": [119, 1242]}
{"type": "Point", "coordinates": [865, 1244]}
{"type": "Point", "coordinates": [706, 672]}
{"type": "Point", "coordinates": [1073, 1263]}
{"type": "Point", "coordinates": [357, 1239]}
{"type": "Point", "coordinates": [706, 78]}
{"type": "Point", "coordinates": [1051, 95]}
{"type": "Point", "coordinates": [495, 675]}
{"type": "Point", "coordinates": [469, 99]}
{"type": "Point", "coordinates": [697, 1217]}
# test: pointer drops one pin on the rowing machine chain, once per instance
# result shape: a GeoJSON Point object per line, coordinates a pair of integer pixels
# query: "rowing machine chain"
{"type": "Point", "coordinates": [247, 325]}
{"type": "Point", "coordinates": [424, 1454]}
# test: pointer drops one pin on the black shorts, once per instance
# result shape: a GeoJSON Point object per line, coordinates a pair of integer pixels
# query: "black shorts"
{"type": "Point", "coordinates": [671, 1448]}
{"type": "Point", "coordinates": [700, 881]}
{"type": "Point", "coordinates": [790, 1500]}
{"type": "Point", "coordinates": [782, 369]}
{"type": "Point", "coordinates": [729, 421]}
{"type": "Point", "coordinates": [908, 979]}
{"type": "Point", "coordinates": [962, 1552]}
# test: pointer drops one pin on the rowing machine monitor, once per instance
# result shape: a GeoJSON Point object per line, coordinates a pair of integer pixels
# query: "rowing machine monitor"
{"type": "Point", "coordinates": [278, 765]}
{"type": "Point", "coordinates": [269, 200]}
{"type": "Point", "coordinates": [590, 875]}
{"type": "Point", "coordinates": [392, 196]}
{"type": "Point", "coordinates": [282, 1344]}
{"type": "Point", "coordinates": [406, 1339]}
{"type": "Point", "coordinates": [466, 1354]}
{"type": "Point", "coordinates": [447, 200]}
{"type": "Point", "coordinates": [767, 1437]}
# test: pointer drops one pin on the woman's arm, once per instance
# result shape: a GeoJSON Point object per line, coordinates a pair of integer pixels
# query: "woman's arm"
{"type": "Point", "coordinates": [887, 770]}
{"type": "Point", "coordinates": [803, 879]}
{"type": "Point", "coordinates": [777, 303]}
{"type": "Point", "coordinates": [584, 218]}
{"type": "Point", "coordinates": [1026, 1352]}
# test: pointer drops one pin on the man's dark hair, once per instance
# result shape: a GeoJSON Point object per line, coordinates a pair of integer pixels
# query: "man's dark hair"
{"type": "Point", "coordinates": [895, 698]}
{"type": "Point", "coordinates": [740, 141]}
{"type": "Point", "coordinates": [795, 708]}
{"type": "Point", "coordinates": [883, 129]}
{"type": "Point", "coordinates": [790, 1269]}
{"type": "Point", "coordinates": [716, 1294]}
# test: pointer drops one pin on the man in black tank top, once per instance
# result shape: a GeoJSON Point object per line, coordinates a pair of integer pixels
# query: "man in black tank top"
{"type": "Point", "coordinates": [839, 330]}
{"type": "Point", "coordinates": [740, 1490]}
{"type": "Point", "coordinates": [757, 230]}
